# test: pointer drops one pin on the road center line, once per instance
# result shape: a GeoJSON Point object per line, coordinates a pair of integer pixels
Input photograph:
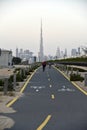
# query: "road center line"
{"type": "Point", "coordinates": [52, 96]}
{"type": "Point", "coordinates": [50, 85]}
{"type": "Point", "coordinates": [44, 123]}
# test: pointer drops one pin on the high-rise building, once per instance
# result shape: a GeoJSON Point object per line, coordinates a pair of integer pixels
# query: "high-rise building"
{"type": "Point", "coordinates": [41, 53]}
{"type": "Point", "coordinates": [79, 51]}
{"type": "Point", "coordinates": [65, 54]}
{"type": "Point", "coordinates": [58, 53]}
{"type": "Point", "coordinates": [17, 55]}
{"type": "Point", "coordinates": [73, 52]}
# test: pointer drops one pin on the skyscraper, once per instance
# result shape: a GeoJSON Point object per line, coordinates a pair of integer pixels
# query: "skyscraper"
{"type": "Point", "coordinates": [17, 52]}
{"type": "Point", "coordinates": [41, 53]}
{"type": "Point", "coordinates": [73, 52]}
{"type": "Point", "coordinates": [65, 53]}
{"type": "Point", "coordinates": [58, 53]}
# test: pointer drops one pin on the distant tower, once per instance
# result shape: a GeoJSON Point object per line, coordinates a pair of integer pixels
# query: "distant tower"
{"type": "Point", "coordinates": [41, 54]}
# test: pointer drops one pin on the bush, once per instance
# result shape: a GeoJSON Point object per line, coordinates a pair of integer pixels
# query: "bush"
{"type": "Point", "coordinates": [31, 70]}
{"type": "Point", "coordinates": [10, 86]}
{"type": "Point", "coordinates": [19, 78]}
{"type": "Point", "coordinates": [75, 77]}
{"type": "Point", "coordinates": [1, 83]}
{"type": "Point", "coordinates": [10, 83]}
{"type": "Point", "coordinates": [1, 88]}
{"type": "Point", "coordinates": [16, 60]}
{"type": "Point", "coordinates": [11, 78]}
{"type": "Point", "coordinates": [28, 73]}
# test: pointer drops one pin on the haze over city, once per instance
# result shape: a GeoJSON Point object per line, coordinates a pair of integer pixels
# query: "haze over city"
{"type": "Point", "coordinates": [64, 24]}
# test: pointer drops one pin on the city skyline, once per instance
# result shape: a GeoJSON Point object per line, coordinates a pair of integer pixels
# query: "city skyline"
{"type": "Point", "coordinates": [64, 24]}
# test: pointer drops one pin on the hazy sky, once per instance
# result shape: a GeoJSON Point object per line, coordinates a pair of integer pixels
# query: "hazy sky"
{"type": "Point", "coordinates": [64, 24]}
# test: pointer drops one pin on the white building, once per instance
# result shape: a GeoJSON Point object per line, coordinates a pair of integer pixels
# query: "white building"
{"type": "Point", "coordinates": [24, 54]}
{"type": "Point", "coordinates": [17, 55]}
{"type": "Point", "coordinates": [73, 52]}
{"type": "Point", "coordinates": [5, 58]}
{"type": "Point", "coordinates": [58, 53]}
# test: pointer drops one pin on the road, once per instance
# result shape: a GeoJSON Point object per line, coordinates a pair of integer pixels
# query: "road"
{"type": "Point", "coordinates": [50, 102]}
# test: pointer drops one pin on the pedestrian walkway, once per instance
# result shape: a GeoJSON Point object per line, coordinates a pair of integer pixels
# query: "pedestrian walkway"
{"type": "Point", "coordinates": [6, 122]}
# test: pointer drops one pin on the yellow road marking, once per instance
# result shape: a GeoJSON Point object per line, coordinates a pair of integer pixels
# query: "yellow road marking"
{"type": "Point", "coordinates": [44, 123]}
{"type": "Point", "coordinates": [52, 96]}
{"type": "Point", "coordinates": [21, 91]}
{"type": "Point", "coordinates": [26, 83]}
{"type": "Point", "coordinates": [79, 88]}
{"type": "Point", "coordinates": [10, 103]}
{"type": "Point", "coordinates": [62, 73]}
{"type": "Point", "coordinates": [83, 91]}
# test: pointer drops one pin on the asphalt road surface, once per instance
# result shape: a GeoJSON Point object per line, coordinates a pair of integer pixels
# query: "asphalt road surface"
{"type": "Point", "coordinates": [50, 102]}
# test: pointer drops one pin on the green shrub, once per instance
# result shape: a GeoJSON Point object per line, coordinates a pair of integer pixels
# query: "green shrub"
{"type": "Point", "coordinates": [28, 73]}
{"type": "Point", "coordinates": [19, 78]}
{"type": "Point", "coordinates": [10, 86]}
{"type": "Point", "coordinates": [75, 77]}
{"type": "Point", "coordinates": [31, 70]}
{"type": "Point", "coordinates": [1, 82]}
{"type": "Point", "coordinates": [1, 88]}
{"type": "Point", "coordinates": [10, 83]}
{"type": "Point", "coordinates": [11, 78]}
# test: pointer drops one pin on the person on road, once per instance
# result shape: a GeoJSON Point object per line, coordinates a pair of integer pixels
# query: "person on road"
{"type": "Point", "coordinates": [44, 65]}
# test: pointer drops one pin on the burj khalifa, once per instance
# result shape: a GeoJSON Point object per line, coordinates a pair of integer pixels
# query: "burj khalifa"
{"type": "Point", "coordinates": [41, 53]}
